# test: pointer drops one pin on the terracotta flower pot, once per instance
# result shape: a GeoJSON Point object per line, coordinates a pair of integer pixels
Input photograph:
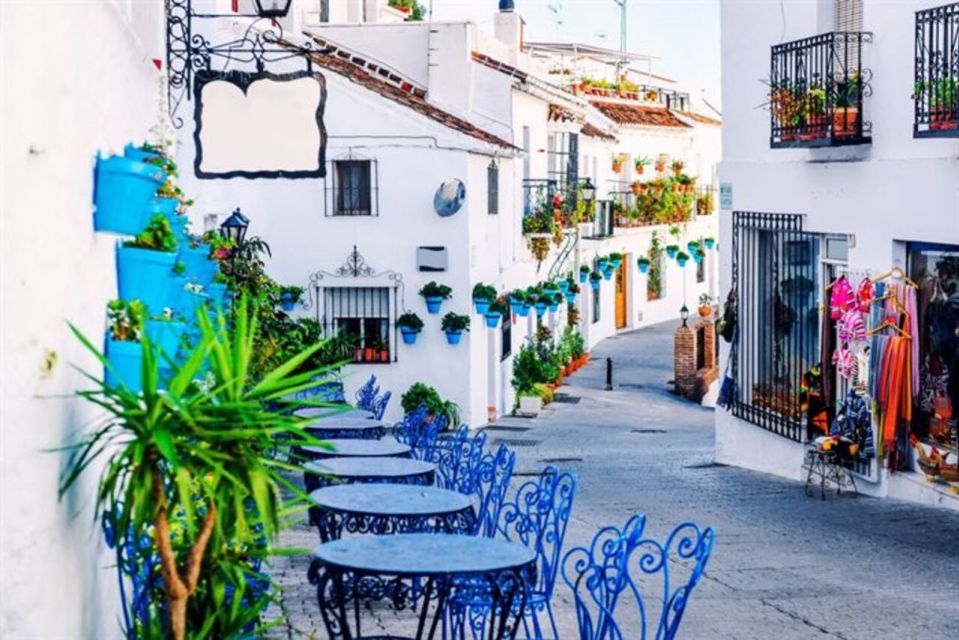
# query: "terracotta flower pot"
{"type": "Point", "coordinates": [942, 119]}
{"type": "Point", "coordinates": [639, 169]}
{"type": "Point", "coordinates": [845, 122]}
{"type": "Point", "coordinates": [705, 311]}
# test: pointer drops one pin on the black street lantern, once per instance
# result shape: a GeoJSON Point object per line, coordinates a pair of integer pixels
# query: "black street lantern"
{"type": "Point", "coordinates": [684, 313]}
{"type": "Point", "coordinates": [234, 227]}
{"type": "Point", "coordinates": [589, 191]}
{"type": "Point", "coordinates": [272, 8]}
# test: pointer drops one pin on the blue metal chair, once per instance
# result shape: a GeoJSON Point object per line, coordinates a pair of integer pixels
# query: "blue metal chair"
{"type": "Point", "coordinates": [620, 565]}
{"type": "Point", "coordinates": [458, 457]}
{"type": "Point", "coordinates": [379, 405]}
{"type": "Point", "coordinates": [420, 435]}
{"type": "Point", "coordinates": [537, 517]}
{"type": "Point", "coordinates": [366, 394]}
{"type": "Point", "coordinates": [493, 478]}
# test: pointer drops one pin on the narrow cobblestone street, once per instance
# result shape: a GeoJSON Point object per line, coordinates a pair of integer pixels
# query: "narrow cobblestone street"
{"type": "Point", "coordinates": [784, 566]}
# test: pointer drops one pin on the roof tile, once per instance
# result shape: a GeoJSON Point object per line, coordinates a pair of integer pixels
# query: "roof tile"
{"type": "Point", "coordinates": [637, 114]}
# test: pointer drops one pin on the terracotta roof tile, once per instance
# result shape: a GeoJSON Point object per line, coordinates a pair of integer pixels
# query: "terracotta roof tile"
{"type": "Point", "coordinates": [701, 119]}
{"type": "Point", "coordinates": [559, 114]}
{"type": "Point", "coordinates": [595, 132]}
{"type": "Point", "coordinates": [639, 114]}
{"type": "Point", "coordinates": [400, 90]}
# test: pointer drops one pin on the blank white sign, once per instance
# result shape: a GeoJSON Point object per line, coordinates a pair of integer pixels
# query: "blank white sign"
{"type": "Point", "coordinates": [272, 127]}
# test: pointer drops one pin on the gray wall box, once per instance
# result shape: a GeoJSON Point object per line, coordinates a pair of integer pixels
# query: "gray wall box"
{"type": "Point", "coordinates": [431, 258]}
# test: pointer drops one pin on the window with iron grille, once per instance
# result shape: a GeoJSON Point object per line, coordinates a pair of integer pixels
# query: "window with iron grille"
{"type": "Point", "coordinates": [353, 188]}
{"type": "Point", "coordinates": [563, 159]}
{"type": "Point", "coordinates": [776, 279]}
{"type": "Point", "coordinates": [365, 315]}
{"type": "Point", "coordinates": [492, 188]}
{"type": "Point", "coordinates": [936, 86]}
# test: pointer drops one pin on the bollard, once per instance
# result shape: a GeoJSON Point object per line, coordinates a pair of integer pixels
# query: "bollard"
{"type": "Point", "coordinates": [609, 374]}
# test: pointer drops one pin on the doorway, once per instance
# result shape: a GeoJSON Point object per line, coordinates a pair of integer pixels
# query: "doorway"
{"type": "Point", "coordinates": [621, 299]}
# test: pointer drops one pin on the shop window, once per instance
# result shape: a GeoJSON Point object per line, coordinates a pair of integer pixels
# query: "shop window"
{"type": "Point", "coordinates": [365, 317]}
{"type": "Point", "coordinates": [775, 275]}
{"type": "Point", "coordinates": [935, 268]}
{"type": "Point", "coordinates": [353, 188]}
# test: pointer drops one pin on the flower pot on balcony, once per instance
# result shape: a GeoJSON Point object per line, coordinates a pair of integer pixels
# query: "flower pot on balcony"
{"type": "Point", "coordinates": [845, 122]}
{"type": "Point", "coordinates": [816, 127]}
{"type": "Point", "coordinates": [369, 354]}
{"type": "Point", "coordinates": [942, 119]}
{"type": "Point", "coordinates": [409, 334]}
{"type": "Point", "coordinates": [384, 356]}
{"type": "Point", "coordinates": [433, 304]}
{"type": "Point", "coordinates": [145, 275]}
{"type": "Point", "coordinates": [453, 337]}
{"type": "Point", "coordinates": [122, 190]}
{"type": "Point", "coordinates": [125, 360]}
{"type": "Point", "coordinates": [540, 309]}
{"type": "Point", "coordinates": [492, 319]}
{"type": "Point", "coordinates": [636, 187]}
{"type": "Point", "coordinates": [482, 305]}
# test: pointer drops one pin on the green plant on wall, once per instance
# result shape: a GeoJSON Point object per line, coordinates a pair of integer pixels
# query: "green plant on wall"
{"type": "Point", "coordinates": [654, 278]}
{"type": "Point", "coordinates": [423, 394]}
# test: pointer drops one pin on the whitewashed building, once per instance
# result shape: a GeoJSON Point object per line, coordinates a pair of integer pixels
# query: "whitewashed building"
{"type": "Point", "coordinates": [857, 181]}
{"type": "Point", "coordinates": [409, 105]}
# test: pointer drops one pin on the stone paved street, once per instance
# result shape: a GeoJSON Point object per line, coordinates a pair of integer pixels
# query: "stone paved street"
{"type": "Point", "coordinates": [784, 566]}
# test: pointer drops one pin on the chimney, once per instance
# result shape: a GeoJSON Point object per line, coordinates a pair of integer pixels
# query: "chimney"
{"type": "Point", "coordinates": [508, 27]}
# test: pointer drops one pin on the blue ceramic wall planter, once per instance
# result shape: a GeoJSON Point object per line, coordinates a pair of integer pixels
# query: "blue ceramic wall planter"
{"type": "Point", "coordinates": [583, 275]}
{"type": "Point", "coordinates": [540, 309]}
{"type": "Point", "coordinates": [433, 304]}
{"type": "Point", "coordinates": [166, 335]}
{"type": "Point", "coordinates": [571, 297]}
{"type": "Point", "coordinates": [145, 275]}
{"type": "Point", "coordinates": [710, 243]}
{"type": "Point", "coordinates": [516, 306]}
{"type": "Point", "coordinates": [125, 360]}
{"type": "Point", "coordinates": [681, 261]}
{"type": "Point", "coordinates": [523, 311]}
{"type": "Point", "coordinates": [615, 263]}
{"type": "Point", "coordinates": [217, 293]}
{"type": "Point", "coordinates": [492, 319]}
{"type": "Point", "coordinates": [594, 284]}
{"type": "Point", "coordinates": [454, 337]}
{"type": "Point", "coordinates": [482, 305]}
{"type": "Point", "coordinates": [601, 264]}
{"type": "Point", "coordinates": [122, 192]}
{"type": "Point", "coordinates": [564, 286]}
{"type": "Point", "coordinates": [409, 334]}
{"type": "Point", "coordinates": [672, 251]}
{"type": "Point", "coordinates": [199, 268]}
{"type": "Point", "coordinates": [138, 154]}
{"type": "Point", "coordinates": [643, 267]}
{"type": "Point", "coordinates": [553, 307]}
{"type": "Point", "coordinates": [287, 302]}
{"type": "Point", "coordinates": [607, 274]}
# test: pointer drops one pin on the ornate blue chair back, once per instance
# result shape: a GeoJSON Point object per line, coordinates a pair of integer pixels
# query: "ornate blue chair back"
{"type": "Point", "coordinates": [420, 435]}
{"type": "Point", "coordinates": [379, 405]}
{"type": "Point", "coordinates": [621, 564]}
{"type": "Point", "coordinates": [537, 517]}
{"type": "Point", "coordinates": [458, 457]}
{"type": "Point", "coordinates": [495, 472]}
{"type": "Point", "coordinates": [366, 394]}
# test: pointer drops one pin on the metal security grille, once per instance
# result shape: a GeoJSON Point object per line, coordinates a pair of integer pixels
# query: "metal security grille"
{"type": "Point", "coordinates": [352, 188]}
{"type": "Point", "coordinates": [936, 88]}
{"type": "Point", "coordinates": [775, 276]}
{"type": "Point", "coordinates": [366, 316]}
{"type": "Point", "coordinates": [563, 159]}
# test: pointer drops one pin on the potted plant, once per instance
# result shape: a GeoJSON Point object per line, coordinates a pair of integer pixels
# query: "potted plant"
{"type": "Point", "coordinates": [845, 118]}
{"type": "Point", "coordinates": [594, 279]}
{"type": "Point", "coordinates": [619, 159]}
{"type": "Point", "coordinates": [661, 161]}
{"type": "Point", "coordinates": [677, 167]}
{"type": "Point", "coordinates": [572, 292]}
{"type": "Point", "coordinates": [421, 394]}
{"type": "Point", "coordinates": [681, 258]}
{"type": "Point", "coordinates": [704, 204]}
{"type": "Point", "coordinates": [454, 325]}
{"type": "Point", "coordinates": [539, 247]}
{"type": "Point", "coordinates": [943, 104]}
{"type": "Point", "coordinates": [601, 263]}
{"type": "Point", "coordinates": [672, 250]}
{"type": "Point", "coordinates": [584, 270]}
{"type": "Point", "coordinates": [289, 296]}
{"type": "Point", "coordinates": [554, 300]}
{"type": "Point", "coordinates": [517, 303]}
{"type": "Point", "coordinates": [814, 114]}
{"type": "Point", "coordinates": [195, 255]}
{"type": "Point", "coordinates": [563, 284]}
{"type": "Point", "coordinates": [124, 353]}
{"type": "Point", "coordinates": [709, 241]}
{"type": "Point", "coordinates": [615, 260]}
{"type": "Point", "coordinates": [410, 326]}
{"type": "Point", "coordinates": [122, 191]}
{"type": "Point", "coordinates": [145, 264]}
{"type": "Point", "coordinates": [164, 331]}
{"type": "Point", "coordinates": [643, 263]}
{"type": "Point", "coordinates": [483, 295]}
{"type": "Point", "coordinates": [692, 245]}
{"type": "Point", "coordinates": [435, 294]}
{"type": "Point", "coordinates": [641, 163]}
{"type": "Point", "coordinates": [497, 309]}
{"type": "Point", "coordinates": [705, 305]}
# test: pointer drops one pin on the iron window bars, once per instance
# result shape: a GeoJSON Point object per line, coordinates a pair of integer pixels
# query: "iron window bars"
{"type": "Point", "coordinates": [936, 88]}
{"type": "Point", "coordinates": [816, 91]}
{"type": "Point", "coordinates": [353, 187]}
{"type": "Point", "coordinates": [775, 278]}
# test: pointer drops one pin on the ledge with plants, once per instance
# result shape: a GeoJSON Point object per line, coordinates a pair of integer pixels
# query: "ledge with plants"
{"type": "Point", "coordinates": [663, 200]}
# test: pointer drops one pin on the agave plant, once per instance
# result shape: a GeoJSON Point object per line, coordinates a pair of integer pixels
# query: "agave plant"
{"type": "Point", "coordinates": [197, 469]}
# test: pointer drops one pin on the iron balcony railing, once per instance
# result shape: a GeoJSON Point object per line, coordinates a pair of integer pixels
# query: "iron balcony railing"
{"type": "Point", "coordinates": [816, 91]}
{"type": "Point", "coordinates": [936, 88]}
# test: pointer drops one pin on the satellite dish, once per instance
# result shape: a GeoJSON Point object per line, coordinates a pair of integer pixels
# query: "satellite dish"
{"type": "Point", "coordinates": [449, 197]}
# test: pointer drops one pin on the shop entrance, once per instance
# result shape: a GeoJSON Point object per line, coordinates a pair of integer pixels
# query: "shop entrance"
{"type": "Point", "coordinates": [621, 300]}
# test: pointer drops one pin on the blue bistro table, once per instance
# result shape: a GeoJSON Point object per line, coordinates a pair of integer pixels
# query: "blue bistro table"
{"type": "Point", "coordinates": [319, 473]}
{"type": "Point", "coordinates": [328, 413]}
{"type": "Point", "coordinates": [389, 508]}
{"type": "Point", "coordinates": [348, 572]}
{"type": "Point", "coordinates": [354, 448]}
{"type": "Point", "coordinates": [346, 429]}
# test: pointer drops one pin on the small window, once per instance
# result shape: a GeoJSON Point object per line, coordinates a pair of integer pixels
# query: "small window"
{"type": "Point", "coordinates": [352, 188]}
{"type": "Point", "coordinates": [492, 188]}
{"type": "Point", "coordinates": [365, 316]}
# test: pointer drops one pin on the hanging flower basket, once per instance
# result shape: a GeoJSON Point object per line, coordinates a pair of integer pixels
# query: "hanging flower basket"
{"type": "Point", "coordinates": [454, 337]}
{"type": "Point", "coordinates": [492, 319]}
{"type": "Point", "coordinates": [122, 192]}
{"type": "Point", "coordinates": [524, 310]}
{"type": "Point", "coordinates": [409, 334]}
{"type": "Point", "coordinates": [125, 364]}
{"type": "Point", "coordinates": [709, 242]}
{"type": "Point", "coordinates": [571, 296]}
{"type": "Point", "coordinates": [643, 264]}
{"type": "Point", "coordinates": [145, 275]}
{"type": "Point", "coordinates": [481, 305]}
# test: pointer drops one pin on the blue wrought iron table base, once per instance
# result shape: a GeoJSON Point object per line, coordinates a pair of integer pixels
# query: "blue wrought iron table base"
{"type": "Point", "coordinates": [332, 525]}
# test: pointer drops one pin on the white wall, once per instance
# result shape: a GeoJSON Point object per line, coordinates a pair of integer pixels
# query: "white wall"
{"type": "Point", "coordinates": [896, 189]}
{"type": "Point", "coordinates": [66, 95]}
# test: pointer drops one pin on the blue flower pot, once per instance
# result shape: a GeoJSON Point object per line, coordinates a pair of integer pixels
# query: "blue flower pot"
{"type": "Point", "coordinates": [409, 334]}
{"type": "Point", "coordinates": [433, 304]}
{"type": "Point", "coordinates": [199, 268]}
{"type": "Point", "coordinates": [482, 305]}
{"type": "Point", "coordinates": [145, 275]}
{"type": "Point", "coordinates": [165, 336]}
{"type": "Point", "coordinates": [681, 262]}
{"type": "Point", "coordinates": [692, 246]}
{"type": "Point", "coordinates": [602, 264]}
{"type": "Point", "coordinates": [672, 252]}
{"type": "Point", "coordinates": [643, 267]}
{"type": "Point", "coordinates": [516, 306]}
{"type": "Point", "coordinates": [553, 307]}
{"type": "Point", "coordinates": [138, 154]}
{"type": "Point", "coordinates": [709, 243]}
{"type": "Point", "coordinates": [126, 364]}
{"type": "Point", "coordinates": [608, 274]}
{"type": "Point", "coordinates": [287, 303]}
{"type": "Point", "coordinates": [217, 293]}
{"type": "Point", "coordinates": [594, 284]}
{"type": "Point", "coordinates": [583, 276]}
{"type": "Point", "coordinates": [176, 295]}
{"type": "Point", "coordinates": [616, 263]}
{"type": "Point", "coordinates": [492, 319]}
{"type": "Point", "coordinates": [192, 303]}
{"type": "Point", "coordinates": [122, 192]}
{"type": "Point", "coordinates": [524, 310]}
{"type": "Point", "coordinates": [540, 308]}
{"type": "Point", "coordinates": [454, 337]}
{"type": "Point", "coordinates": [571, 297]}
{"type": "Point", "coordinates": [166, 206]}
{"type": "Point", "coordinates": [697, 258]}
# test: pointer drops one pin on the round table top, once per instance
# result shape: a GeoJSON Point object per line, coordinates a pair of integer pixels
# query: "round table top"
{"type": "Point", "coordinates": [328, 413]}
{"type": "Point", "coordinates": [338, 422]}
{"type": "Point", "coordinates": [346, 468]}
{"type": "Point", "coordinates": [330, 425]}
{"type": "Point", "coordinates": [424, 554]}
{"type": "Point", "coordinates": [347, 448]}
{"type": "Point", "coordinates": [390, 499]}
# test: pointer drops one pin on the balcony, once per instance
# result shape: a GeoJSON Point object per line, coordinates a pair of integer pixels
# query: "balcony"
{"type": "Point", "coordinates": [936, 88]}
{"type": "Point", "coordinates": [816, 91]}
